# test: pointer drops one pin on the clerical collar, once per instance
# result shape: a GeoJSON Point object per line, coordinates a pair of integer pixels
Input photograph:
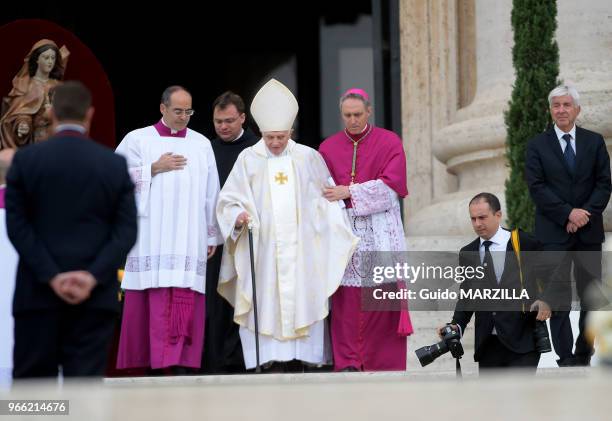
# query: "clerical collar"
{"type": "Point", "coordinates": [359, 136]}
{"type": "Point", "coordinates": [72, 127]}
{"type": "Point", "coordinates": [165, 131]}
{"type": "Point", "coordinates": [237, 137]}
{"type": "Point", "coordinates": [229, 143]}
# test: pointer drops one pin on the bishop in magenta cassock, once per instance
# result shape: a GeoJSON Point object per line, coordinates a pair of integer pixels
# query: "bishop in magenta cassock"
{"type": "Point", "coordinates": [368, 166]}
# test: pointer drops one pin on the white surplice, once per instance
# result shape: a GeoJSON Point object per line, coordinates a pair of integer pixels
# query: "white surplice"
{"type": "Point", "coordinates": [302, 244]}
{"type": "Point", "coordinates": [376, 219]}
{"type": "Point", "coordinates": [176, 211]}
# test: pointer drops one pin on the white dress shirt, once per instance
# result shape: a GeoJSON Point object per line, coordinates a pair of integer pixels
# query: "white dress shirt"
{"type": "Point", "coordinates": [498, 253]}
{"type": "Point", "coordinates": [562, 141]}
{"type": "Point", "coordinates": [500, 244]}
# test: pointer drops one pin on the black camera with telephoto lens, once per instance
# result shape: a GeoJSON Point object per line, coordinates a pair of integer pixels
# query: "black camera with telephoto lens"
{"type": "Point", "coordinates": [451, 341]}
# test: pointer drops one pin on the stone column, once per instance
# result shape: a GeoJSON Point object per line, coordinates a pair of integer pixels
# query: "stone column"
{"type": "Point", "coordinates": [584, 35]}
{"type": "Point", "coordinates": [430, 95]}
{"type": "Point", "coordinates": [470, 144]}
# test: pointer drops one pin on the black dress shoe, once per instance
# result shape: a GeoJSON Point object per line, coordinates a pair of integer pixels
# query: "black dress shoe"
{"type": "Point", "coordinates": [274, 367]}
{"type": "Point", "coordinates": [294, 366]}
{"type": "Point", "coordinates": [583, 360]}
{"type": "Point", "coordinates": [350, 368]}
{"type": "Point", "coordinates": [326, 368]}
{"type": "Point", "coordinates": [177, 370]}
{"type": "Point", "coordinates": [567, 362]}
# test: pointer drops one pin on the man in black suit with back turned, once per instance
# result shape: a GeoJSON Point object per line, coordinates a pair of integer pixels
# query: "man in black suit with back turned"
{"type": "Point", "coordinates": [71, 216]}
{"type": "Point", "coordinates": [504, 329]}
{"type": "Point", "coordinates": [568, 173]}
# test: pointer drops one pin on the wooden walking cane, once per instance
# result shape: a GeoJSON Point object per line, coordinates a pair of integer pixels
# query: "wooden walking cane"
{"type": "Point", "coordinates": [252, 254]}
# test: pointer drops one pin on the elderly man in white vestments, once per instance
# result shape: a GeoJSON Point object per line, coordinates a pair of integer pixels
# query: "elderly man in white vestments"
{"type": "Point", "coordinates": [302, 242]}
{"type": "Point", "coordinates": [8, 269]}
{"type": "Point", "coordinates": [177, 184]}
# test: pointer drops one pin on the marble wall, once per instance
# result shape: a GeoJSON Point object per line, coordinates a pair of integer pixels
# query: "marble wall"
{"type": "Point", "coordinates": [457, 78]}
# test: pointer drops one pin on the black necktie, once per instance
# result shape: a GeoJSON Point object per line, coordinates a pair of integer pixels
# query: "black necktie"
{"type": "Point", "coordinates": [570, 156]}
{"type": "Point", "coordinates": [488, 261]}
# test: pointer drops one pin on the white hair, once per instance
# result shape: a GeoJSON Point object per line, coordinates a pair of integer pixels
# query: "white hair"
{"type": "Point", "coordinates": [563, 90]}
{"type": "Point", "coordinates": [289, 132]}
{"type": "Point", "coordinates": [354, 96]}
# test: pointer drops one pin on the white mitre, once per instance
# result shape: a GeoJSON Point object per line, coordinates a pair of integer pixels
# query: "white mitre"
{"type": "Point", "coordinates": [274, 108]}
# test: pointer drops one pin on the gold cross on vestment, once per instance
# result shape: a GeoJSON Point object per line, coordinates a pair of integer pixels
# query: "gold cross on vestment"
{"type": "Point", "coordinates": [281, 178]}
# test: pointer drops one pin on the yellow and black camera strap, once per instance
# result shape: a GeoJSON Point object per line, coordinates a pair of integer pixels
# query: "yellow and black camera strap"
{"type": "Point", "coordinates": [516, 245]}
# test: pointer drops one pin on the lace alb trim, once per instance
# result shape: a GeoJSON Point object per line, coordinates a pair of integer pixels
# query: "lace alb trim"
{"type": "Point", "coordinates": [379, 232]}
{"type": "Point", "coordinates": [167, 262]}
{"type": "Point", "coordinates": [371, 197]}
{"type": "Point", "coordinates": [136, 175]}
{"type": "Point", "coordinates": [213, 231]}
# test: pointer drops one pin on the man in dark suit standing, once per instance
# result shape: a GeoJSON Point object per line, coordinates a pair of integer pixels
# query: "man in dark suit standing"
{"type": "Point", "coordinates": [71, 216]}
{"type": "Point", "coordinates": [504, 335]}
{"type": "Point", "coordinates": [568, 173]}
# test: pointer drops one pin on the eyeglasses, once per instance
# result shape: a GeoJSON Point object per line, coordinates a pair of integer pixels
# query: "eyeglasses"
{"type": "Point", "coordinates": [220, 121]}
{"type": "Point", "coordinates": [179, 112]}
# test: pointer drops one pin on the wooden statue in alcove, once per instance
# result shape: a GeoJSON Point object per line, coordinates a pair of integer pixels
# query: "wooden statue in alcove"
{"type": "Point", "coordinates": [24, 116]}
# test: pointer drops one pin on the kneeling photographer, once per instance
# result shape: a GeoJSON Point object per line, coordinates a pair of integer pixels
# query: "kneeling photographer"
{"type": "Point", "coordinates": [507, 333]}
